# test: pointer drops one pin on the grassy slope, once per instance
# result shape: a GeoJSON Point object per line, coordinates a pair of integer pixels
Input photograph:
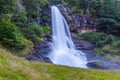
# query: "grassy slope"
{"type": "Point", "coordinates": [15, 68]}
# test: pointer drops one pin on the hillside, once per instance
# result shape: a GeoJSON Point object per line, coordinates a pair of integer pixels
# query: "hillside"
{"type": "Point", "coordinates": [15, 68]}
{"type": "Point", "coordinates": [26, 28]}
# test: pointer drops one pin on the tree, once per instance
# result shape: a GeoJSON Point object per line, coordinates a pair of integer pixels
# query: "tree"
{"type": "Point", "coordinates": [7, 6]}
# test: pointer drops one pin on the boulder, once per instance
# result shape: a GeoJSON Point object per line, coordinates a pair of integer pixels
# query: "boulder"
{"type": "Point", "coordinates": [95, 65]}
{"type": "Point", "coordinates": [47, 60]}
{"type": "Point", "coordinates": [33, 58]}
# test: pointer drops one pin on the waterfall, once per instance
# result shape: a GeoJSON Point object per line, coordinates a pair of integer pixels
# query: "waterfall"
{"type": "Point", "coordinates": [63, 50]}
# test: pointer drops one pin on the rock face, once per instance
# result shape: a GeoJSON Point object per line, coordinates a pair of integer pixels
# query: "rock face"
{"type": "Point", "coordinates": [40, 52]}
{"type": "Point", "coordinates": [78, 23]}
{"type": "Point", "coordinates": [96, 65]}
{"type": "Point", "coordinates": [45, 19]}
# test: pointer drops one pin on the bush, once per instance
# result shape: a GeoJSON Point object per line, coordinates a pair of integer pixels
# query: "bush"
{"type": "Point", "coordinates": [100, 39]}
{"type": "Point", "coordinates": [9, 36]}
{"type": "Point", "coordinates": [19, 18]}
{"type": "Point", "coordinates": [34, 7]}
{"type": "Point", "coordinates": [100, 44]}
{"type": "Point", "coordinates": [7, 6]}
{"type": "Point", "coordinates": [109, 25]}
{"type": "Point", "coordinates": [34, 28]}
{"type": "Point", "coordinates": [46, 30]}
{"type": "Point", "coordinates": [109, 39]}
{"type": "Point", "coordinates": [35, 32]}
{"type": "Point", "coordinates": [5, 16]}
{"type": "Point", "coordinates": [93, 37]}
{"type": "Point", "coordinates": [116, 44]}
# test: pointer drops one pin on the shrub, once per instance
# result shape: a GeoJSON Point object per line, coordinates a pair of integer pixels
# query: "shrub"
{"type": "Point", "coordinates": [93, 37]}
{"type": "Point", "coordinates": [100, 44]}
{"type": "Point", "coordinates": [34, 7]}
{"type": "Point", "coordinates": [109, 25]}
{"type": "Point", "coordinates": [100, 39]}
{"type": "Point", "coordinates": [19, 18]}
{"type": "Point", "coordinates": [104, 43]}
{"type": "Point", "coordinates": [116, 43]}
{"type": "Point", "coordinates": [5, 16]}
{"type": "Point", "coordinates": [34, 28]}
{"type": "Point", "coordinates": [35, 32]}
{"type": "Point", "coordinates": [46, 30]}
{"type": "Point", "coordinates": [109, 39]}
{"type": "Point", "coordinates": [10, 36]}
{"type": "Point", "coordinates": [7, 6]}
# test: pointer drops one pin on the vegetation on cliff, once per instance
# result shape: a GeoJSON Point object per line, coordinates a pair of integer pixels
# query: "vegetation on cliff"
{"type": "Point", "coordinates": [24, 18]}
{"type": "Point", "coordinates": [106, 45]}
{"type": "Point", "coordinates": [18, 29]}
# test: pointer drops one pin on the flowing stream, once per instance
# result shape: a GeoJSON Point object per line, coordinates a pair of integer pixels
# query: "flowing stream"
{"type": "Point", "coordinates": [63, 49]}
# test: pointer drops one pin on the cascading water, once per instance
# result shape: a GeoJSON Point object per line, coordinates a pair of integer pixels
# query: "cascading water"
{"type": "Point", "coordinates": [63, 50]}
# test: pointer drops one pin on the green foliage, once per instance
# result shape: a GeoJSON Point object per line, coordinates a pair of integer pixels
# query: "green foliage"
{"type": "Point", "coordinates": [109, 25]}
{"type": "Point", "coordinates": [35, 32]}
{"type": "Point", "coordinates": [10, 37]}
{"type": "Point", "coordinates": [17, 25]}
{"type": "Point", "coordinates": [116, 44]}
{"type": "Point", "coordinates": [34, 7]}
{"type": "Point", "coordinates": [93, 37]}
{"type": "Point", "coordinates": [104, 43]}
{"type": "Point", "coordinates": [100, 38]}
{"type": "Point", "coordinates": [20, 18]}
{"type": "Point", "coordinates": [109, 8]}
{"type": "Point", "coordinates": [109, 15]}
{"type": "Point", "coordinates": [5, 16]}
{"type": "Point", "coordinates": [46, 30]}
{"type": "Point", "coordinates": [7, 6]}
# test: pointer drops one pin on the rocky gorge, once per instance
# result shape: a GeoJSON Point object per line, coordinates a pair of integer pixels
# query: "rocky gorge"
{"type": "Point", "coordinates": [94, 61]}
{"type": "Point", "coordinates": [77, 24]}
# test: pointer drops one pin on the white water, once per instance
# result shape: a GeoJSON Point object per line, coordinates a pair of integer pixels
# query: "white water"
{"type": "Point", "coordinates": [63, 50]}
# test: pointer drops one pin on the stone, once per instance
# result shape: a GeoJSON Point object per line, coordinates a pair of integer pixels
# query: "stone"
{"type": "Point", "coordinates": [32, 58]}
{"type": "Point", "coordinates": [47, 60]}
{"type": "Point", "coordinates": [78, 23]}
{"type": "Point", "coordinates": [95, 65]}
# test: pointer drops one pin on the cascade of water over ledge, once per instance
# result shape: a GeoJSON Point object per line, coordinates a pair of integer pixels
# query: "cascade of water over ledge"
{"type": "Point", "coordinates": [63, 50]}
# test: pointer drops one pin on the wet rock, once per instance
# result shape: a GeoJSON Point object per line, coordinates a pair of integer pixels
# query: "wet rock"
{"type": "Point", "coordinates": [33, 58]}
{"type": "Point", "coordinates": [47, 60]}
{"type": "Point", "coordinates": [95, 65]}
{"type": "Point", "coordinates": [40, 52]}
{"type": "Point", "coordinates": [78, 23]}
{"type": "Point", "coordinates": [48, 38]}
{"type": "Point", "coordinates": [43, 45]}
{"type": "Point", "coordinates": [82, 44]}
{"type": "Point", "coordinates": [43, 51]}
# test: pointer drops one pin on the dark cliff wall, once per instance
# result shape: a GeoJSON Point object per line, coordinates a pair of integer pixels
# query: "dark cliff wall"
{"type": "Point", "coordinates": [78, 23]}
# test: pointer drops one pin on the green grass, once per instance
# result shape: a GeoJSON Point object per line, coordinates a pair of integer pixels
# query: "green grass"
{"type": "Point", "coordinates": [15, 68]}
